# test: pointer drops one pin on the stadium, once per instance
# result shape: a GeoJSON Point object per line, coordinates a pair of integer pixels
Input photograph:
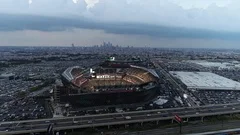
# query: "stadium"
{"type": "Point", "coordinates": [108, 83]}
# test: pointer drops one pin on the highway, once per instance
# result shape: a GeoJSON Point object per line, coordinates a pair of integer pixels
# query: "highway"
{"type": "Point", "coordinates": [32, 126]}
{"type": "Point", "coordinates": [199, 129]}
{"type": "Point", "coordinates": [181, 90]}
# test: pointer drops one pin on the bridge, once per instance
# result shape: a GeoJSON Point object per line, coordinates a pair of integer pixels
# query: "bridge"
{"type": "Point", "coordinates": [100, 120]}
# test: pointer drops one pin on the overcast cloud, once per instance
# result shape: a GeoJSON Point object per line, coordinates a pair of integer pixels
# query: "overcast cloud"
{"type": "Point", "coordinates": [188, 20]}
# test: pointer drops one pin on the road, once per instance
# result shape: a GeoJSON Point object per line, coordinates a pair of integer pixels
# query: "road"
{"type": "Point", "coordinates": [181, 90]}
{"type": "Point", "coordinates": [35, 93]}
{"type": "Point", "coordinates": [30, 126]}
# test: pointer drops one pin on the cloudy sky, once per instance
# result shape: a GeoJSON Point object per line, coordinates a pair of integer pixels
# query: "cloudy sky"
{"type": "Point", "coordinates": [155, 23]}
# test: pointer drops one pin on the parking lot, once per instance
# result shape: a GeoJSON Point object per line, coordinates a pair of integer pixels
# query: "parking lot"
{"type": "Point", "coordinates": [24, 109]}
{"type": "Point", "coordinates": [217, 97]}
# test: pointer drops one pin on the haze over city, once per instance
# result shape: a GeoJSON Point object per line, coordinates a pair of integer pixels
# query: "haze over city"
{"type": "Point", "coordinates": [138, 23]}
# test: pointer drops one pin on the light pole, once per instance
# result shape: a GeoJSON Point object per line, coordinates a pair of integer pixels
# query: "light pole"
{"type": "Point", "coordinates": [180, 128]}
{"type": "Point", "coordinates": [222, 123]}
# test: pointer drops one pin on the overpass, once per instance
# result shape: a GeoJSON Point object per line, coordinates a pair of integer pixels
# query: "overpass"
{"type": "Point", "coordinates": [100, 120]}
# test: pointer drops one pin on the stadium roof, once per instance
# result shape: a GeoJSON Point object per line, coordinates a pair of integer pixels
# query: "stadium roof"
{"type": "Point", "coordinates": [153, 72]}
{"type": "Point", "coordinates": [67, 73]}
{"type": "Point", "coordinates": [206, 80]}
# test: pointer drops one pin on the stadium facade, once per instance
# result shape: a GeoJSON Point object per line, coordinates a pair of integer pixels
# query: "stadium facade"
{"type": "Point", "coordinates": [109, 83]}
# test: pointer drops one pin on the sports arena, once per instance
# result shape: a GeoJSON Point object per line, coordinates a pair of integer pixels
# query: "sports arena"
{"type": "Point", "coordinates": [108, 83]}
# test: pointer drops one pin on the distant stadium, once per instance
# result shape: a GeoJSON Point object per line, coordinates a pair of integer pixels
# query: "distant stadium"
{"type": "Point", "coordinates": [109, 83]}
